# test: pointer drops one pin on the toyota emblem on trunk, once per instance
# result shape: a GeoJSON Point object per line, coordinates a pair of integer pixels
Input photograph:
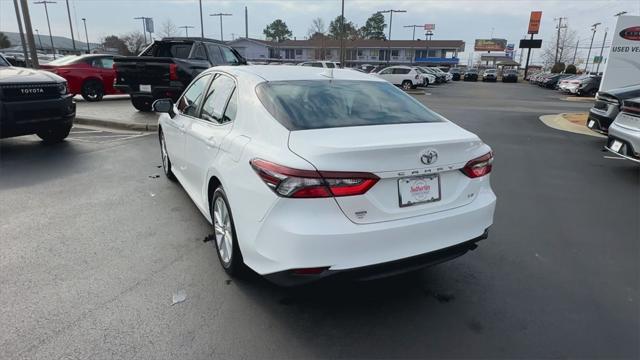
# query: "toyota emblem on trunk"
{"type": "Point", "coordinates": [429, 156]}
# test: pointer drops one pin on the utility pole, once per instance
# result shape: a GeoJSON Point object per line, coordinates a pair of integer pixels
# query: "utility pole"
{"type": "Point", "coordinates": [201, 21]}
{"type": "Point", "coordinates": [186, 29]}
{"type": "Point", "coordinates": [144, 27]}
{"type": "Point", "coordinates": [39, 40]}
{"type": "Point", "coordinates": [390, 12]}
{"type": "Point", "coordinates": [46, 11]}
{"type": "Point", "coordinates": [22, 39]}
{"type": "Point", "coordinates": [593, 29]}
{"type": "Point", "coordinates": [221, 15]}
{"type": "Point", "coordinates": [560, 27]}
{"type": "Point", "coordinates": [246, 23]}
{"type": "Point", "coordinates": [73, 40]}
{"type": "Point", "coordinates": [602, 50]}
{"type": "Point", "coordinates": [414, 29]}
{"type": "Point", "coordinates": [27, 26]}
{"type": "Point", "coordinates": [575, 53]}
{"type": "Point", "coordinates": [86, 34]}
{"type": "Point", "coordinates": [342, 36]}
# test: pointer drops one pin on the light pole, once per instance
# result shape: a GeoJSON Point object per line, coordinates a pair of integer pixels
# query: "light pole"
{"type": "Point", "coordinates": [593, 29]}
{"type": "Point", "coordinates": [144, 28]}
{"type": "Point", "coordinates": [186, 29]}
{"type": "Point", "coordinates": [23, 40]}
{"type": "Point", "coordinates": [390, 12]}
{"type": "Point", "coordinates": [414, 29]}
{"type": "Point", "coordinates": [73, 39]}
{"type": "Point", "coordinates": [221, 15]}
{"type": "Point", "coordinates": [560, 27]}
{"type": "Point", "coordinates": [620, 13]}
{"type": "Point", "coordinates": [24, 4]}
{"type": "Point", "coordinates": [46, 11]}
{"type": "Point", "coordinates": [342, 36]}
{"type": "Point", "coordinates": [201, 21]}
{"type": "Point", "coordinates": [602, 50]}
{"type": "Point", "coordinates": [86, 34]}
{"type": "Point", "coordinates": [39, 40]}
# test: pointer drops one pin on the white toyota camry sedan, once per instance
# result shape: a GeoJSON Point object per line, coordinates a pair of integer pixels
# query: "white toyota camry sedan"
{"type": "Point", "coordinates": [308, 172]}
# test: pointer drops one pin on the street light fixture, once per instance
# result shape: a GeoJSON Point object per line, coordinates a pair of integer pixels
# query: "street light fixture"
{"type": "Point", "coordinates": [186, 29]}
{"type": "Point", "coordinates": [221, 15]}
{"type": "Point", "coordinates": [86, 34]}
{"type": "Point", "coordinates": [414, 29]}
{"type": "Point", "coordinates": [390, 12]}
{"type": "Point", "coordinates": [593, 29]}
{"type": "Point", "coordinates": [46, 11]}
{"type": "Point", "coordinates": [620, 13]}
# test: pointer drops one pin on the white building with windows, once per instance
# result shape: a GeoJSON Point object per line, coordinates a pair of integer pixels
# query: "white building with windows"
{"type": "Point", "coordinates": [434, 52]}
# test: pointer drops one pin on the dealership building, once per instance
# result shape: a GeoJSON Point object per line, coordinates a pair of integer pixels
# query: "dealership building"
{"type": "Point", "coordinates": [357, 52]}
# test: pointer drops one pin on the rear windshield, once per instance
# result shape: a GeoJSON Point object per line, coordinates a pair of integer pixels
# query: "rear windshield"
{"type": "Point", "coordinates": [172, 50]}
{"type": "Point", "coordinates": [318, 104]}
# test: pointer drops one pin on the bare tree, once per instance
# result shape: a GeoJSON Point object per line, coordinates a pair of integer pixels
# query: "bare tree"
{"type": "Point", "coordinates": [565, 46]}
{"type": "Point", "coordinates": [168, 29]}
{"type": "Point", "coordinates": [317, 26]}
{"type": "Point", "coordinates": [134, 41]}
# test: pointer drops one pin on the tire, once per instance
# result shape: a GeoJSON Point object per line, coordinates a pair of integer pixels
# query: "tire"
{"type": "Point", "coordinates": [225, 234]}
{"type": "Point", "coordinates": [141, 103]}
{"type": "Point", "coordinates": [407, 85]}
{"type": "Point", "coordinates": [426, 82]}
{"type": "Point", "coordinates": [92, 90]}
{"type": "Point", "coordinates": [54, 135]}
{"type": "Point", "coordinates": [166, 162]}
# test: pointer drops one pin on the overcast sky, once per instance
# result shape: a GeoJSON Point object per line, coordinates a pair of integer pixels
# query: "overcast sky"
{"type": "Point", "coordinates": [455, 20]}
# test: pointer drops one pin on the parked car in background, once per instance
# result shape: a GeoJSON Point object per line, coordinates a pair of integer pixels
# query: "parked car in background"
{"type": "Point", "coordinates": [490, 75]}
{"type": "Point", "coordinates": [34, 102]}
{"type": "Point", "coordinates": [430, 78]}
{"type": "Point", "coordinates": [300, 184]}
{"type": "Point", "coordinates": [624, 132]}
{"type": "Point", "coordinates": [510, 75]}
{"type": "Point", "coordinates": [167, 66]}
{"type": "Point", "coordinates": [322, 64]}
{"type": "Point", "coordinates": [455, 74]}
{"type": "Point", "coordinates": [406, 77]}
{"type": "Point", "coordinates": [367, 68]}
{"type": "Point", "coordinates": [471, 75]}
{"type": "Point", "coordinates": [435, 77]}
{"type": "Point", "coordinates": [608, 105]}
{"type": "Point", "coordinates": [587, 86]}
{"type": "Point", "coordinates": [91, 76]}
{"type": "Point", "coordinates": [550, 82]}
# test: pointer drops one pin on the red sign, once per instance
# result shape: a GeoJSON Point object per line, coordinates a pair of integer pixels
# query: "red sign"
{"type": "Point", "coordinates": [631, 33]}
{"type": "Point", "coordinates": [429, 27]}
{"type": "Point", "coordinates": [534, 22]}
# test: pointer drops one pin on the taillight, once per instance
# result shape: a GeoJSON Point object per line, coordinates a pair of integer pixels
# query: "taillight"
{"type": "Point", "coordinates": [417, 76]}
{"type": "Point", "coordinates": [294, 183]}
{"type": "Point", "coordinates": [479, 166]}
{"type": "Point", "coordinates": [173, 72]}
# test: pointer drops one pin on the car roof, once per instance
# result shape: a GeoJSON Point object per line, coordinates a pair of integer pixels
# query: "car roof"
{"type": "Point", "coordinates": [261, 73]}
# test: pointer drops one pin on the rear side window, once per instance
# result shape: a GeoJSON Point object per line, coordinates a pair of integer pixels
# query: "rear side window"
{"type": "Point", "coordinates": [199, 53]}
{"type": "Point", "coordinates": [192, 97]}
{"type": "Point", "coordinates": [317, 104]}
{"type": "Point", "coordinates": [401, 71]}
{"type": "Point", "coordinates": [214, 54]}
{"type": "Point", "coordinates": [330, 65]}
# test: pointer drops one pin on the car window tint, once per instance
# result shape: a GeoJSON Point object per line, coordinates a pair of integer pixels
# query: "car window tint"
{"type": "Point", "coordinates": [232, 107]}
{"type": "Point", "coordinates": [191, 99]}
{"type": "Point", "coordinates": [229, 56]}
{"type": "Point", "coordinates": [316, 64]}
{"type": "Point", "coordinates": [317, 104]}
{"type": "Point", "coordinates": [216, 99]}
{"type": "Point", "coordinates": [401, 71]}
{"type": "Point", "coordinates": [386, 71]}
{"type": "Point", "coordinates": [330, 65]}
{"type": "Point", "coordinates": [199, 53]}
{"type": "Point", "coordinates": [107, 63]}
{"type": "Point", "coordinates": [214, 54]}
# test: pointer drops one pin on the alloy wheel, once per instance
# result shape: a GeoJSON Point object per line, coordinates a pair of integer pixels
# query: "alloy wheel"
{"type": "Point", "coordinates": [223, 231]}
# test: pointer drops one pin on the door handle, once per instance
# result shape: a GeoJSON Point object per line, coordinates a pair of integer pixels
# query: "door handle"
{"type": "Point", "coordinates": [211, 141]}
{"type": "Point", "coordinates": [181, 127]}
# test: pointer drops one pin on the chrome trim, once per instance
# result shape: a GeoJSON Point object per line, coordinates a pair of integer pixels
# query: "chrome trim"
{"type": "Point", "coordinates": [637, 161]}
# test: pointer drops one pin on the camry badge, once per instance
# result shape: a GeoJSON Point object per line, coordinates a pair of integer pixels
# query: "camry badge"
{"type": "Point", "coordinates": [429, 156]}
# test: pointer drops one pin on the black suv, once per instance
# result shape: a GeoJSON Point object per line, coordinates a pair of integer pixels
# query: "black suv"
{"type": "Point", "coordinates": [167, 66]}
{"type": "Point", "coordinates": [34, 102]}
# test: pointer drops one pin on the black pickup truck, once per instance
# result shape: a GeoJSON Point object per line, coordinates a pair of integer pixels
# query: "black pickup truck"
{"type": "Point", "coordinates": [167, 66]}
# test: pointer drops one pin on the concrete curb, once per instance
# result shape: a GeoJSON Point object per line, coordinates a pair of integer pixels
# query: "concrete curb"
{"type": "Point", "coordinates": [578, 99]}
{"type": "Point", "coordinates": [84, 120]}
{"type": "Point", "coordinates": [558, 122]}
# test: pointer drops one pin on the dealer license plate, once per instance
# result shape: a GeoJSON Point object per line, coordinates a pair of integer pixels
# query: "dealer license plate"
{"type": "Point", "coordinates": [591, 123]}
{"type": "Point", "coordinates": [145, 88]}
{"type": "Point", "coordinates": [616, 145]}
{"type": "Point", "coordinates": [419, 190]}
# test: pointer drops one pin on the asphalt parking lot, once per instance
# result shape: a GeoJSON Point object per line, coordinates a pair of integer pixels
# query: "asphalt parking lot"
{"type": "Point", "coordinates": [95, 243]}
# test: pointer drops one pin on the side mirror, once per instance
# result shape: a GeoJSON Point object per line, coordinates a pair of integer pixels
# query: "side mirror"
{"type": "Point", "coordinates": [163, 106]}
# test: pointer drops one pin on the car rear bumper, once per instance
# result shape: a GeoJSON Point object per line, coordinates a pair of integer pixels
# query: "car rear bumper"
{"type": "Point", "coordinates": [29, 117]}
{"type": "Point", "coordinates": [629, 137]}
{"type": "Point", "coordinates": [601, 120]}
{"type": "Point", "coordinates": [157, 92]}
{"type": "Point", "coordinates": [292, 237]}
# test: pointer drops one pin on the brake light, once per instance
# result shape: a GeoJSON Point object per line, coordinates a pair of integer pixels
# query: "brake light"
{"type": "Point", "coordinates": [294, 183]}
{"type": "Point", "coordinates": [173, 72]}
{"type": "Point", "coordinates": [479, 166]}
{"type": "Point", "coordinates": [632, 110]}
